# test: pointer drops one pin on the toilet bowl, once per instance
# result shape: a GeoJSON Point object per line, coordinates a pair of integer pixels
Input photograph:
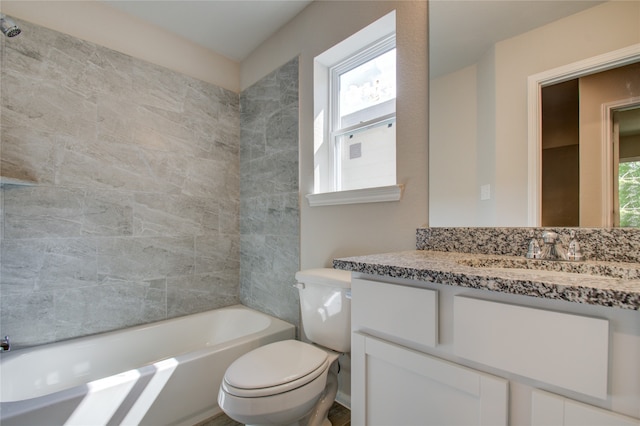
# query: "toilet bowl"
{"type": "Point", "coordinates": [277, 384]}
{"type": "Point", "coordinates": [292, 382]}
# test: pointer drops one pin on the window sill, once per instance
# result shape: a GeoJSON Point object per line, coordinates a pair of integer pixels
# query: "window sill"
{"type": "Point", "coordinates": [356, 196]}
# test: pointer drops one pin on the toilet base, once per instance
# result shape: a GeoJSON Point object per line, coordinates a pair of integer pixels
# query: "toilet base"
{"type": "Point", "coordinates": [319, 415]}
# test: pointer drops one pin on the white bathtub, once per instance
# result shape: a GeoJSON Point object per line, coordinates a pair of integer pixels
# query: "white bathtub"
{"type": "Point", "coordinates": [165, 373]}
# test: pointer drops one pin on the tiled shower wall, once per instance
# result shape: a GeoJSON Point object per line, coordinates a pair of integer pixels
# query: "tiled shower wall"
{"type": "Point", "coordinates": [269, 212]}
{"type": "Point", "coordinates": [134, 215]}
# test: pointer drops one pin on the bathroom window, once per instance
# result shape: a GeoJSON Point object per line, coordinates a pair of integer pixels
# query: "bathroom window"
{"type": "Point", "coordinates": [355, 118]}
{"type": "Point", "coordinates": [363, 118]}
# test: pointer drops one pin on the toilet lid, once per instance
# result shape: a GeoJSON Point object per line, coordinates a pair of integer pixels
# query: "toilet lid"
{"type": "Point", "coordinates": [276, 364]}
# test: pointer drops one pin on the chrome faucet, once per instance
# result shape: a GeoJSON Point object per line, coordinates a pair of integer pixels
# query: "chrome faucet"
{"type": "Point", "coordinates": [552, 249]}
{"type": "Point", "coordinates": [5, 344]}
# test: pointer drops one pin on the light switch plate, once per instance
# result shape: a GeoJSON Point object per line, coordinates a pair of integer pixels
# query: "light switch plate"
{"type": "Point", "coordinates": [485, 192]}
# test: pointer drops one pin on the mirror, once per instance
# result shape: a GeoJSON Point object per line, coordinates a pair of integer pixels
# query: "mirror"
{"type": "Point", "coordinates": [479, 160]}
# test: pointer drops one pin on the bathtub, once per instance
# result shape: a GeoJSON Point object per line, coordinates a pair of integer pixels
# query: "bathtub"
{"type": "Point", "coordinates": [165, 373]}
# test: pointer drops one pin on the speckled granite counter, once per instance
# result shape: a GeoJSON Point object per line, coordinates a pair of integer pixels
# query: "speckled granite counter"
{"type": "Point", "coordinates": [453, 268]}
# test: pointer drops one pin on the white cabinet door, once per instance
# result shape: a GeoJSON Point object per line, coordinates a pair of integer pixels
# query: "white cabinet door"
{"type": "Point", "coordinates": [394, 385]}
{"type": "Point", "coordinates": [548, 409]}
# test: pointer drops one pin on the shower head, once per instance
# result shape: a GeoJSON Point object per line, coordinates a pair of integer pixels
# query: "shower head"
{"type": "Point", "coordinates": [8, 27]}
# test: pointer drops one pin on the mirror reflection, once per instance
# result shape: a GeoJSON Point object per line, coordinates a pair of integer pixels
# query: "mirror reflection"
{"type": "Point", "coordinates": [626, 123]}
{"type": "Point", "coordinates": [572, 152]}
{"type": "Point", "coordinates": [479, 160]}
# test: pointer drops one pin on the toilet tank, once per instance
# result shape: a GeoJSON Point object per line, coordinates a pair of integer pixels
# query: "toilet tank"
{"type": "Point", "coordinates": [325, 303]}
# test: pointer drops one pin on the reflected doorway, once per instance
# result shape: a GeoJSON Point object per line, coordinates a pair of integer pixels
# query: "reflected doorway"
{"type": "Point", "coordinates": [626, 155]}
{"type": "Point", "coordinates": [590, 176]}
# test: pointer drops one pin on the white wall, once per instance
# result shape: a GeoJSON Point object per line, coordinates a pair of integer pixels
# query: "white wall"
{"type": "Point", "coordinates": [98, 23]}
{"type": "Point", "coordinates": [334, 231]}
{"type": "Point", "coordinates": [453, 122]}
{"type": "Point", "coordinates": [597, 30]}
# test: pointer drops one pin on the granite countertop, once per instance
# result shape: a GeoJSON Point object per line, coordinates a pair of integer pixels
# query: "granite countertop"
{"type": "Point", "coordinates": [482, 271]}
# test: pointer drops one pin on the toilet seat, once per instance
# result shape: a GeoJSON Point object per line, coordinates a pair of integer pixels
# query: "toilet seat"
{"type": "Point", "coordinates": [275, 368]}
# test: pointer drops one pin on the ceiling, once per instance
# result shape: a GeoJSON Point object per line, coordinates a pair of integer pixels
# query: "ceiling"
{"type": "Point", "coordinates": [460, 30]}
{"type": "Point", "coordinates": [232, 28]}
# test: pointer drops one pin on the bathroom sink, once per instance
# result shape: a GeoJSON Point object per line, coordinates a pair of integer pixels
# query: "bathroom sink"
{"type": "Point", "coordinates": [604, 269]}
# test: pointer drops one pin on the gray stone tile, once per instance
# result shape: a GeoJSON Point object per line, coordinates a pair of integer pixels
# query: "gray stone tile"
{"type": "Point", "coordinates": [217, 253]}
{"type": "Point", "coordinates": [283, 215]}
{"type": "Point", "coordinates": [201, 292]}
{"type": "Point", "coordinates": [21, 264]}
{"type": "Point", "coordinates": [107, 213]}
{"type": "Point", "coordinates": [159, 87]}
{"type": "Point", "coordinates": [150, 258]}
{"type": "Point", "coordinates": [174, 215]}
{"type": "Point", "coordinates": [27, 153]}
{"type": "Point", "coordinates": [41, 212]}
{"type": "Point", "coordinates": [68, 263]}
{"type": "Point", "coordinates": [49, 107]}
{"type": "Point", "coordinates": [269, 209]}
{"type": "Point", "coordinates": [136, 214]}
{"type": "Point", "coordinates": [27, 318]}
{"type": "Point", "coordinates": [112, 305]}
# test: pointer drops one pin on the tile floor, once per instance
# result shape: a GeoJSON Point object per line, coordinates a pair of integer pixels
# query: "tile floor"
{"type": "Point", "coordinates": [338, 415]}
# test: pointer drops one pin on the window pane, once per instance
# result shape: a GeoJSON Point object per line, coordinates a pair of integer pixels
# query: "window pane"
{"type": "Point", "coordinates": [367, 158]}
{"type": "Point", "coordinates": [369, 84]}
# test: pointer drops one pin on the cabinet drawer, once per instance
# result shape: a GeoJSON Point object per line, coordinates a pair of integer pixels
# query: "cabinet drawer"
{"type": "Point", "coordinates": [396, 312]}
{"type": "Point", "coordinates": [570, 351]}
{"type": "Point", "coordinates": [549, 409]}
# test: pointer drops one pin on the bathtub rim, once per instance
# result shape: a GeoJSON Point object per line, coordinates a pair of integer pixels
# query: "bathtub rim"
{"type": "Point", "coordinates": [62, 342]}
{"type": "Point", "coordinates": [276, 325]}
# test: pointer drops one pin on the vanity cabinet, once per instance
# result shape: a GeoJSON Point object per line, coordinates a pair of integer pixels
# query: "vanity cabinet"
{"type": "Point", "coordinates": [430, 354]}
{"type": "Point", "coordinates": [393, 383]}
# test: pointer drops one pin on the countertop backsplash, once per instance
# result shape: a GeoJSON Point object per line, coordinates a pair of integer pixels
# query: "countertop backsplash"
{"type": "Point", "coordinates": [597, 244]}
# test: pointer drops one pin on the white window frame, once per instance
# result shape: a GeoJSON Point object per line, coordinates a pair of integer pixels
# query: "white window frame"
{"type": "Point", "coordinates": [324, 192]}
{"type": "Point", "coordinates": [378, 48]}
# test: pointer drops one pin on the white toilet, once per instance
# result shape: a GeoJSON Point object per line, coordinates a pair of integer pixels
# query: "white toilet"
{"type": "Point", "coordinates": [292, 382]}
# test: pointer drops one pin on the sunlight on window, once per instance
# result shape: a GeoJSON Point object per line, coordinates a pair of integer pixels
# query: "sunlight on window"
{"type": "Point", "coordinates": [369, 84]}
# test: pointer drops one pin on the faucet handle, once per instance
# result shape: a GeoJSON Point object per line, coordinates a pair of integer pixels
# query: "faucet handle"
{"type": "Point", "coordinates": [5, 344]}
{"type": "Point", "coordinates": [574, 252]}
{"type": "Point", "coordinates": [534, 251]}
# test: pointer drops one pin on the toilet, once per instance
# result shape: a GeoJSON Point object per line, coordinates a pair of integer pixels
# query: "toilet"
{"type": "Point", "coordinates": [292, 382]}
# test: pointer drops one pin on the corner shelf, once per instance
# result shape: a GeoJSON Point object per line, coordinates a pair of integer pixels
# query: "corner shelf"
{"type": "Point", "coordinates": [8, 181]}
